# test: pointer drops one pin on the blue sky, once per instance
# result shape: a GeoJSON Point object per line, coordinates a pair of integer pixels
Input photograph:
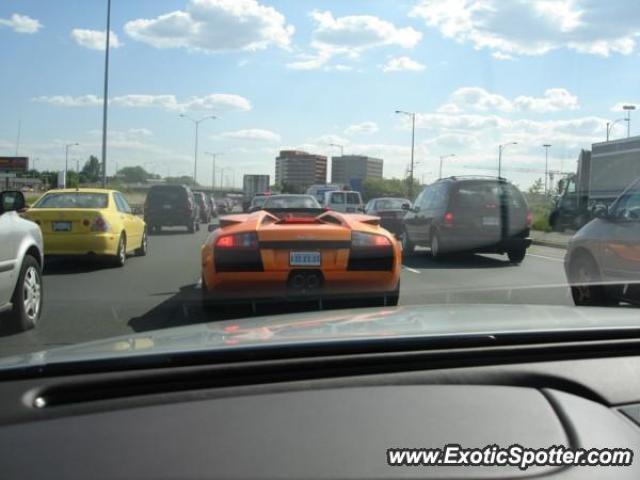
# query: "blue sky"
{"type": "Point", "coordinates": [304, 74]}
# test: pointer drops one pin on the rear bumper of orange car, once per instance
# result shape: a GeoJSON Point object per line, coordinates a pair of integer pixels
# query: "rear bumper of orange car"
{"type": "Point", "coordinates": [277, 283]}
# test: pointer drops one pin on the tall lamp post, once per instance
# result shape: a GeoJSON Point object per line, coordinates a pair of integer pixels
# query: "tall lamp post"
{"type": "Point", "coordinates": [105, 97]}
{"type": "Point", "coordinates": [195, 153]}
{"type": "Point", "coordinates": [413, 138]}
{"type": "Point", "coordinates": [546, 147]}
{"type": "Point", "coordinates": [442, 157]}
{"type": "Point", "coordinates": [500, 149]}
{"type": "Point", "coordinates": [337, 145]}
{"type": "Point", "coordinates": [611, 124]}
{"type": "Point", "coordinates": [628, 108]}
{"type": "Point", "coordinates": [66, 159]}
{"type": "Point", "coordinates": [213, 169]}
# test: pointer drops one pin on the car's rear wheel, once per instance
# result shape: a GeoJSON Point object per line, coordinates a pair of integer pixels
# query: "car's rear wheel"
{"type": "Point", "coordinates": [144, 245]}
{"type": "Point", "coordinates": [120, 257]}
{"type": "Point", "coordinates": [436, 246]}
{"type": "Point", "coordinates": [27, 297]}
{"type": "Point", "coordinates": [408, 247]}
{"type": "Point", "coordinates": [517, 256]}
{"type": "Point", "coordinates": [586, 288]}
{"type": "Point", "coordinates": [391, 299]}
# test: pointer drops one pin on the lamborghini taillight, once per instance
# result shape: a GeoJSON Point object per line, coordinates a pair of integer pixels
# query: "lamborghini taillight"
{"type": "Point", "coordinates": [367, 240]}
{"type": "Point", "coordinates": [244, 241]}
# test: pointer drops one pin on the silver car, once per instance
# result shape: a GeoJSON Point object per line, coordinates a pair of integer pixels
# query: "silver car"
{"type": "Point", "coordinates": [21, 261]}
{"type": "Point", "coordinates": [603, 258]}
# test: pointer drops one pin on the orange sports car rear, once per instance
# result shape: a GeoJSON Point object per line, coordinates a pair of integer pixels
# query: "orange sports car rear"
{"type": "Point", "coordinates": [269, 255]}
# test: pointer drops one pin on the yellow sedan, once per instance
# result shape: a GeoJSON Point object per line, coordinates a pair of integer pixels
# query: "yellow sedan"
{"type": "Point", "coordinates": [89, 221]}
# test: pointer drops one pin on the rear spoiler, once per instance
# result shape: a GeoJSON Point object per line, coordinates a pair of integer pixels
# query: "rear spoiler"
{"type": "Point", "coordinates": [229, 220]}
{"type": "Point", "coordinates": [368, 219]}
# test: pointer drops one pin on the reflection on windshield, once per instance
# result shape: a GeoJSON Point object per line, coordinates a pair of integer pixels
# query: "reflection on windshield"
{"type": "Point", "coordinates": [483, 141]}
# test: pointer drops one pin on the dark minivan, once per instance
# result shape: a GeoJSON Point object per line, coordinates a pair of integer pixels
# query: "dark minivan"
{"type": "Point", "coordinates": [171, 206]}
{"type": "Point", "coordinates": [469, 214]}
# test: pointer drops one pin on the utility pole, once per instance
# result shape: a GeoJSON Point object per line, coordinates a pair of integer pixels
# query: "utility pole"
{"type": "Point", "coordinates": [500, 148]}
{"type": "Point", "coordinates": [195, 153]}
{"type": "Point", "coordinates": [628, 108]}
{"type": "Point", "coordinates": [413, 139]}
{"type": "Point", "coordinates": [442, 157]}
{"type": "Point", "coordinates": [105, 97]}
{"type": "Point", "coordinates": [546, 167]}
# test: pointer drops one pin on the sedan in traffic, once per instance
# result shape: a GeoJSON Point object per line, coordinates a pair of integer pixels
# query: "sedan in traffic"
{"type": "Point", "coordinates": [87, 221]}
{"type": "Point", "coordinates": [391, 212]}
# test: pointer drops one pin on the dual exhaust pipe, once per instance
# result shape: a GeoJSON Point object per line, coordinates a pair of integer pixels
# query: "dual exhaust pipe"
{"type": "Point", "coordinates": [305, 281]}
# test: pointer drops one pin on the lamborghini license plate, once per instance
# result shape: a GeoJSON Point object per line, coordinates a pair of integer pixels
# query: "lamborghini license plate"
{"type": "Point", "coordinates": [304, 259]}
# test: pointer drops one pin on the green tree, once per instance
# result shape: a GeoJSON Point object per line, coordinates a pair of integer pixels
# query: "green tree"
{"type": "Point", "coordinates": [133, 174]}
{"type": "Point", "coordinates": [91, 170]}
{"type": "Point", "coordinates": [388, 187]}
{"type": "Point", "coordinates": [182, 180]}
{"type": "Point", "coordinates": [537, 188]}
{"type": "Point", "coordinates": [288, 188]}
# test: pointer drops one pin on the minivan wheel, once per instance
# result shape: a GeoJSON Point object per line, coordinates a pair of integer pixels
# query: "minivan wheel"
{"type": "Point", "coordinates": [516, 256]}
{"type": "Point", "coordinates": [585, 289]}
{"type": "Point", "coordinates": [27, 297]}
{"type": "Point", "coordinates": [408, 247]}
{"type": "Point", "coordinates": [436, 248]}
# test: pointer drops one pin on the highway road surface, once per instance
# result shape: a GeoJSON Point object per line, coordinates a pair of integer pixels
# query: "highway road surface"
{"type": "Point", "coordinates": [87, 301]}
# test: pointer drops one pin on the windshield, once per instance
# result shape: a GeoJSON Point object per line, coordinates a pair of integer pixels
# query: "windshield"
{"type": "Point", "coordinates": [73, 200]}
{"type": "Point", "coordinates": [433, 154]}
{"type": "Point", "coordinates": [391, 203]}
{"type": "Point", "coordinates": [291, 201]}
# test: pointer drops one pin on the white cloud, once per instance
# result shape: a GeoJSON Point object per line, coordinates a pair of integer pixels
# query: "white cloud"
{"type": "Point", "coordinates": [330, 138]}
{"type": "Point", "coordinates": [217, 102]}
{"type": "Point", "coordinates": [252, 134]}
{"type": "Point", "coordinates": [350, 36]}
{"type": "Point", "coordinates": [501, 56]}
{"type": "Point", "coordinates": [94, 39]}
{"type": "Point", "coordinates": [21, 23]}
{"type": "Point", "coordinates": [362, 128]}
{"type": "Point", "coordinates": [69, 101]}
{"type": "Point", "coordinates": [215, 26]}
{"type": "Point", "coordinates": [131, 134]}
{"type": "Point", "coordinates": [479, 99]}
{"type": "Point", "coordinates": [535, 27]}
{"type": "Point", "coordinates": [402, 64]}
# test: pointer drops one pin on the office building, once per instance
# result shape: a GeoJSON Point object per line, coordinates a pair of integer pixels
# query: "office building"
{"type": "Point", "coordinates": [349, 168]}
{"type": "Point", "coordinates": [299, 169]}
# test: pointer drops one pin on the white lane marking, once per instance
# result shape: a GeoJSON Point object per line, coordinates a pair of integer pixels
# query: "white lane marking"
{"type": "Point", "coordinates": [412, 270]}
{"type": "Point", "coordinates": [556, 259]}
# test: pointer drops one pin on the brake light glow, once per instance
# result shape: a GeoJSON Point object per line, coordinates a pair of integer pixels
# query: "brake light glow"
{"type": "Point", "coordinates": [360, 239]}
{"type": "Point", "coordinates": [240, 240]}
{"type": "Point", "coordinates": [529, 219]}
{"type": "Point", "coordinates": [100, 225]}
{"type": "Point", "coordinates": [448, 219]}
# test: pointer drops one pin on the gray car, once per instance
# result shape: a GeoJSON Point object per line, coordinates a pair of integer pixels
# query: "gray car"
{"type": "Point", "coordinates": [21, 261]}
{"type": "Point", "coordinates": [602, 263]}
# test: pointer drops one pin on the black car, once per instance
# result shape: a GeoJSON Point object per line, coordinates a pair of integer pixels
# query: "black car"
{"type": "Point", "coordinates": [390, 210]}
{"type": "Point", "coordinates": [203, 206]}
{"type": "Point", "coordinates": [469, 214]}
{"type": "Point", "coordinates": [170, 206]}
{"type": "Point", "coordinates": [602, 263]}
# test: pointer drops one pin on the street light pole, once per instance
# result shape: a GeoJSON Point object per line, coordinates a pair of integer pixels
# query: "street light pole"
{"type": "Point", "coordinates": [341, 147]}
{"type": "Point", "coordinates": [66, 159]}
{"type": "Point", "coordinates": [546, 167]}
{"type": "Point", "coordinates": [611, 124]}
{"type": "Point", "coordinates": [500, 148]}
{"type": "Point", "coordinates": [413, 139]}
{"type": "Point", "coordinates": [195, 154]}
{"type": "Point", "coordinates": [442, 157]}
{"type": "Point", "coordinates": [105, 97]}
{"type": "Point", "coordinates": [628, 108]}
{"type": "Point", "coordinates": [213, 171]}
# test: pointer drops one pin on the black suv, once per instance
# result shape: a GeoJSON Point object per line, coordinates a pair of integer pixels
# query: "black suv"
{"type": "Point", "coordinates": [469, 214]}
{"type": "Point", "coordinates": [170, 206]}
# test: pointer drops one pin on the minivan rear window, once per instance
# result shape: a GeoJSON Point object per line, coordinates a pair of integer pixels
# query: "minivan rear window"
{"type": "Point", "coordinates": [166, 194]}
{"type": "Point", "coordinates": [353, 198]}
{"type": "Point", "coordinates": [337, 197]}
{"type": "Point", "coordinates": [488, 194]}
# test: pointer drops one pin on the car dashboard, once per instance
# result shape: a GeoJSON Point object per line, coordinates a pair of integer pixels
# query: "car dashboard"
{"type": "Point", "coordinates": [329, 415]}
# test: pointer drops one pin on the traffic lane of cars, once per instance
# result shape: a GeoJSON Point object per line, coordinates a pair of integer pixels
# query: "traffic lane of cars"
{"type": "Point", "coordinates": [161, 290]}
